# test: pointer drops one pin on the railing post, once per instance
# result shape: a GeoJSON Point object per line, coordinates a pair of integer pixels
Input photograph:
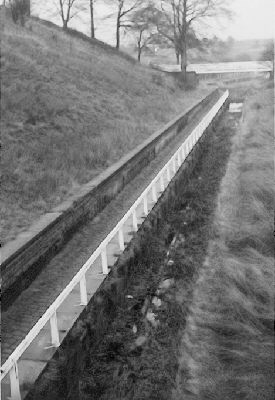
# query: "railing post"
{"type": "Point", "coordinates": [14, 383]}
{"type": "Point", "coordinates": [145, 204]}
{"type": "Point", "coordinates": [154, 193]}
{"type": "Point", "coordinates": [135, 224]}
{"type": "Point", "coordinates": [183, 157]}
{"type": "Point", "coordinates": [174, 165]}
{"type": "Point", "coordinates": [83, 291]}
{"type": "Point", "coordinates": [193, 140]}
{"type": "Point", "coordinates": [168, 173]}
{"type": "Point", "coordinates": [162, 183]}
{"type": "Point", "coordinates": [104, 261]}
{"type": "Point", "coordinates": [199, 131]}
{"type": "Point", "coordinates": [54, 330]}
{"type": "Point", "coordinates": [121, 239]}
{"type": "Point", "coordinates": [189, 145]}
{"type": "Point", "coordinates": [179, 159]}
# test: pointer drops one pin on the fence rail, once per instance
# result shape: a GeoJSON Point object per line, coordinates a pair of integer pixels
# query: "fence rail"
{"type": "Point", "coordinates": [168, 171]}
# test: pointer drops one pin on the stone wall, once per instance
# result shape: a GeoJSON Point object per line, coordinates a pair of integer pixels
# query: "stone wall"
{"type": "Point", "coordinates": [25, 257]}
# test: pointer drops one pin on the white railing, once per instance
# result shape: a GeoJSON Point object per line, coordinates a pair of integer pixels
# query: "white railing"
{"type": "Point", "coordinates": [168, 171]}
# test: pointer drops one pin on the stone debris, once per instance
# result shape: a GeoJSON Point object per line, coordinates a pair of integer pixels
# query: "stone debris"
{"type": "Point", "coordinates": [156, 301]}
{"type": "Point", "coordinates": [134, 329]}
{"type": "Point", "coordinates": [151, 317]}
{"type": "Point", "coordinates": [129, 296]}
{"type": "Point", "coordinates": [145, 306]}
{"type": "Point", "coordinates": [173, 241]}
{"type": "Point", "coordinates": [140, 340]}
{"type": "Point", "coordinates": [166, 284]}
{"type": "Point", "coordinates": [170, 263]}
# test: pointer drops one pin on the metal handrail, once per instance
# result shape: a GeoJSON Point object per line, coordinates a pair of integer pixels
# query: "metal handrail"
{"type": "Point", "coordinates": [10, 366]}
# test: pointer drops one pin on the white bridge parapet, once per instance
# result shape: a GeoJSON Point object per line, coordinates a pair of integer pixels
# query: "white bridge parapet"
{"type": "Point", "coordinates": [162, 179]}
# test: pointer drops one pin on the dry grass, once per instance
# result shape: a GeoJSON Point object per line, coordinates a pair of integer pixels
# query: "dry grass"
{"type": "Point", "coordinates": [228, 345]}
{"type": "Point", "coordinates": [70, 108]}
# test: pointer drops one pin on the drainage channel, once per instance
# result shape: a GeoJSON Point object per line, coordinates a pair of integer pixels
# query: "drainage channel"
{"type": "Point", "coordinates": [126, 348]}
{"type": "Point", "coordinates": [24, 365]}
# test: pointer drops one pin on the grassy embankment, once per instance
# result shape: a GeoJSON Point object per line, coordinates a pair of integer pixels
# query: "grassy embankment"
{"type": "Point", "coordinates": [70, 108]}
{"type": "Point", "coordinates": [228, 346]}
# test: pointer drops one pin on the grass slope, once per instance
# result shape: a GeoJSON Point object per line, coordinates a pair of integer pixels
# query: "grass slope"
{"type": "Point", "coordinates": [70, 108]}
{"type": "Point", "coordinates": [228, 346]}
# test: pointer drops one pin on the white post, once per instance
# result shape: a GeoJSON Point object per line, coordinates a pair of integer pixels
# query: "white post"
{"type": "Point", "coordinates": [54, 330]}
{"type": "Point", "coordinates": [154, 193]}
{"type": "Point", "coordinates": [189, 145]}
{"type": "Point", "coordinates": [145, 204]}
{"type": "Point", "coordinates": [14, 383]}
{"type": "Point", "coordinates": [174, 165]}
{"type": "Point", "coordinates": [135, 224]}
{"type": "Point", "coordinates": [193, 140]}
{"type": "Point", "coordinates": [83, 291]}
{"type": "Point", "coordinates": [121, 239]}
{"type": "Point", "coordinates": [182, 153]}
{"type": "Point", "coordinates": [162, 183]}
{"type": "Point", "coordinates": [104, 261]}
{"type": "Point", "coordinates": [179, 159]}
{"type": "Point", "coordinates": [168, 173]}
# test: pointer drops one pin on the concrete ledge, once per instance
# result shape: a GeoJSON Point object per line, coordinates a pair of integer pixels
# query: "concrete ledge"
{"type": "Point", "coordinates": [24, 258]}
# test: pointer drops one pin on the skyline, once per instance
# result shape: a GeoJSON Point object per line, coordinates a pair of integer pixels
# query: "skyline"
{"type": "Point", "coordinates": [253, 20]}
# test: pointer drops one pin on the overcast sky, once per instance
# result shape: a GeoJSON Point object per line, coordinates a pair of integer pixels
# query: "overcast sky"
{"type": "Point", "coordinates": [253, 19]}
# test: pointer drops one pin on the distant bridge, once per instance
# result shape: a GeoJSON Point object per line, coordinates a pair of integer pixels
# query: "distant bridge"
{"type": "Point", "coordinates": [214, 69]}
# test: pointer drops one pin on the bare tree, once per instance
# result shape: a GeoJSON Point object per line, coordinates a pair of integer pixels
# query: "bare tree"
{"type": "Point", "coordinates": [67, 10]}
{"type": "Point", "coordinates": [141, 25]}
{"type": "Point", "coordinates": [124, 8]}
{"type": "Point", "coordinates": [175, 21]}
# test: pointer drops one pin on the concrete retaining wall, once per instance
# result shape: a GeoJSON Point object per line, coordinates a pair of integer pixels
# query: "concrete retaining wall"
{"type": "Point", "coordinates": [24, 258]}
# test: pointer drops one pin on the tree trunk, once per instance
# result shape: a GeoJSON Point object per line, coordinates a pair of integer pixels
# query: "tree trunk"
{"type": "Point", "coordinates": [139, 45]}
{"type": "Point", "coordinates": [118, 30]}
{"type": "Point", "coordinates": [184, 42]}
{"type": "Point", "coordinates": [65, 24]}
{"type": "Point", "coordinates": [184, 62]}
{"type": "Point", "coordinates": [92, 18]}
{"type": "Point", "coordinates": [178, 58]}
{"type": "Point", "coordinates": [139, 54]}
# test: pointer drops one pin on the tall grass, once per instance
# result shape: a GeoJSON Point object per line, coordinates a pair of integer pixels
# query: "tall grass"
{"type": "Point", "coordinates": [228, 346]}
{"type": "Point", "coordinates": [70, 108]}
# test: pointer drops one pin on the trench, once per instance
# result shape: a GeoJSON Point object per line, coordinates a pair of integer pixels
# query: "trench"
{"type": "Point", "coordinates": [125, 344]}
